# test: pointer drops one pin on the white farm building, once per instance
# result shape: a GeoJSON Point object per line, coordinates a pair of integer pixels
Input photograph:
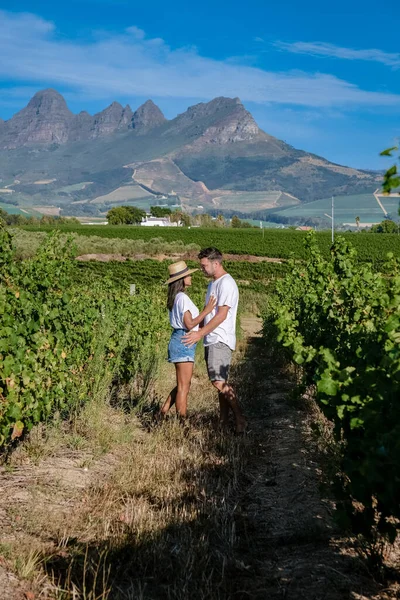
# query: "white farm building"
{"type": "Point", "coordinates": [157, 222]}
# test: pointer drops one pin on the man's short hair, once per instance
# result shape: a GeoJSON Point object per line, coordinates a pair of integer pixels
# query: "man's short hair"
{"type": "Point", "coordinates": [211, 253]}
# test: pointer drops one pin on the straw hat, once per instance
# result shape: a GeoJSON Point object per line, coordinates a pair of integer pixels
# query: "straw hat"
{"type": "Point", "coordinates": [178, 270]}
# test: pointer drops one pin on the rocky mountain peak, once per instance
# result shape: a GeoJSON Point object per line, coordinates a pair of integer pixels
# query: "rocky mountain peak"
{"type": "Point", "coordinates": [126, 117]}
{"type": "Point", "coordinates": [215, 106]}
{"type": "Point", "coordinates": [108, 120]}
{"type": "Point", "coordinates": [147, 116]}
{"type": "Point", "coordinates": [222, 120]}
{"type": "Point", "coordinates": [47, 101]}
{"type": "Point", "coordinates": [45, 120]}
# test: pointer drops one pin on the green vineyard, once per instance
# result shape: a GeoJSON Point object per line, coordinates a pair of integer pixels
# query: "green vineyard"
{"type": "Point", "coordinates": [151, 273]}
{"type": "Point", "coordinates": [67, 324]}
{"type": "Point", "coordinates": [55, 327]}
{"type": "Point", "coordinates": [340, 322]}
{"type": "Point", "coordinates": [273, 243]}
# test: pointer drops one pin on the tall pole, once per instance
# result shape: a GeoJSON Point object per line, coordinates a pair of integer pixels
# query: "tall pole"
{"type": "Point", "coordinates": [333, 222]}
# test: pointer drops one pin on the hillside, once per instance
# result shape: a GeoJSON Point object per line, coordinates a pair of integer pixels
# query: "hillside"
{"type": "Point", "coordinates": [48, 155]}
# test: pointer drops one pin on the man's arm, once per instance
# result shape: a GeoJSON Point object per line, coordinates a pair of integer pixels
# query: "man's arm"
{"type": "Point", "coordinates": [192, 337]}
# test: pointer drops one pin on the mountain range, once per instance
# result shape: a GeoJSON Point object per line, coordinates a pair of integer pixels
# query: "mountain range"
{"type": "Point", "coordinates": [213, 155]}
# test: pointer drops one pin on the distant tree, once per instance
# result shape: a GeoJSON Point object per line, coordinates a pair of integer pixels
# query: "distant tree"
{"type": "Point", "coordinates": [16, 220]}
{"type": "Point", "coordinates": [125, 215]}
{"type": "Point", "coordinates": [387, 226]}
{"type": "Point", "coordinates": [220, 221]}
{"type": "Point", "coordinates": [203, 220]}
{"type": "Point", "coordinates": [160, 211]}
{"type": "Point", "coordinates": [178, 216]}
{"type": "Point", "coordinates": [236, 222]}
{"type": "Point", "coordinates": [185, 220]}
{"type": "Point", "coordinates": [3, 215]}
{"type": "Point", "coordinates": [117, 215]}
{"type": "Point", "coordinates": [136, 215]}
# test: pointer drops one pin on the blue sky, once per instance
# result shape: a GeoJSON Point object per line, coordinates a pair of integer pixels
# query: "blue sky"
{"type": "Point", "coordinates": [323, 77]}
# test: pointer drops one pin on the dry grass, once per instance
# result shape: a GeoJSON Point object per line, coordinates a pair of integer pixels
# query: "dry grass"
{"type": "Point", "coordinates": [28, 242]}
{"type": "Point", "coordinates": [122, 509]}
{"type": "Point", "coordinates": [112, 507]}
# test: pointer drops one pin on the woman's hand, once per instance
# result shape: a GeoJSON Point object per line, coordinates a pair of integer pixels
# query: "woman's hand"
{"type": "Point", "coordinates": [190, 323]}
{"type": "Point", "coordinates": [211, 304]}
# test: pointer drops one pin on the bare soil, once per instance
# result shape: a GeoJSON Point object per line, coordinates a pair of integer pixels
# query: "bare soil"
{"type": "Point", "coordinates": [288, 543]}
{"type": "Point", "coordinates": [186, 255]}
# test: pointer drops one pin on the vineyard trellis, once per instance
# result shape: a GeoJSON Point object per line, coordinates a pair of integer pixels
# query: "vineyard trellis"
{"type": "Point", "coordinates": [51, 328]}
{"type": "Point", "coordinates": [275, 243]}
{"type": "Point", "coordinates": [340, 321]}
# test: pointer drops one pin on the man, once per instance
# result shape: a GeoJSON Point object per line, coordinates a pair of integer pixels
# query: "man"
{"type": "Point", "coordinates": [219, 333]}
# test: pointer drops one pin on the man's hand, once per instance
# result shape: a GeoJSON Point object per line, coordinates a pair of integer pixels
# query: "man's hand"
{"type": "Point", "coordinates": [191, 338]}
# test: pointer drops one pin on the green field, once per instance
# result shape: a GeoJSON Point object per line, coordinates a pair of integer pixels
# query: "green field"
{"type": "Point", "coordinates": [347, 208]}
{"type": "Point", "coordinates": [151, 273]}
{"type": "Point", "coordinates": [18, 210]}
{"type": "Point", "coordinates": [11, 209]}
{"type": "Point", "coordinates": [254, 201]}
{"type": "Point", "coordinates": [270, 242]}
{"type": "Point", "coordinates": [125, 193]}
{"type": "Point", "coordinates": [265, 224]}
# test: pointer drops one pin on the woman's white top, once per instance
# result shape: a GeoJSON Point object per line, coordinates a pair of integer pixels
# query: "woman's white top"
{"type": "Point", "coordinates": [181, 305]}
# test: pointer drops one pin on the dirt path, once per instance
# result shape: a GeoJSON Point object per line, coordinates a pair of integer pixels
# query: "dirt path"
{"type": "Point", "coordinates": [287, 541]}
{"type": "Point", "coordinates": [283, 543]}
{"type": "Point", "coordinates": [178, 255]}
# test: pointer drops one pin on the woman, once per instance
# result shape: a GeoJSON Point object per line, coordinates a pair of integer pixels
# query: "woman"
{"type": "Point", "coordinates": [183, 316]}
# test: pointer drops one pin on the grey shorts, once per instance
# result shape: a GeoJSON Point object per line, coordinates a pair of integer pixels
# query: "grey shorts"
{"type": "Point", "coordinates": [218, 360]}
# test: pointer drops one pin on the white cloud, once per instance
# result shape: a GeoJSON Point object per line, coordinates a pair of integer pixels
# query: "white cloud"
{"type": "Point", "coordinates": [135, 31]}
{"type": "Point", "coordinates": [330, 50]}
{"type": "Point", "coordinates": [128, 64]}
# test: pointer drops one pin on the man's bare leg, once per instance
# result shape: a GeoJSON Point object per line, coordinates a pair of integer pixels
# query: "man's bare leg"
{"type": "Point", "coordinates": [228, 400]}
{"type": "Point", "coordinates": [223, 409]}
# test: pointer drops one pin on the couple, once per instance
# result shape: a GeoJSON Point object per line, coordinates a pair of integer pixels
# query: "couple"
{"type": "Point", "coordinates": [217, 327]}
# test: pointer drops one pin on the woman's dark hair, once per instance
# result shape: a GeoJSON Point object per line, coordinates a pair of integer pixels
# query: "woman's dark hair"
{"type": "Point", "coordinates": [173, 289]}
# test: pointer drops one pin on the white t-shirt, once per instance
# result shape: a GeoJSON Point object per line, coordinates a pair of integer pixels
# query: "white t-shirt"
{"type": "Point", "coordinates": [227, 294]}
{"type": "Point", "coordinates": [181, 305]}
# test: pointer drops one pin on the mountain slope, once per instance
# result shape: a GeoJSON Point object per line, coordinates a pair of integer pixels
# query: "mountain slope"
{"type": "Point", "coordinates": [212, 146]}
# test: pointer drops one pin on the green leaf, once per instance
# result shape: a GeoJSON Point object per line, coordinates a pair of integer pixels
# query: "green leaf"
{"type": "Point", "coordinates": [327, 386]}
{"type": "Point", "coordinates": [356, 423]}
{"type": "Point", "coordinates": [388, 151]}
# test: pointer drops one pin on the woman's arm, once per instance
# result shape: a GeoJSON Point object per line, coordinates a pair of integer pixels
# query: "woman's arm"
{"type": "Point", "coordinates": [188, 320]}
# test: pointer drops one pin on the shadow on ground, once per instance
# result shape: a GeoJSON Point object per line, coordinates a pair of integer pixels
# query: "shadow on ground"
{"type": "Point", "coordinates": [260, 528]}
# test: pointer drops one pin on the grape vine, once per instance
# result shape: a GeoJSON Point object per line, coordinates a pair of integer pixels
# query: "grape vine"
{"type": "Point", "coordinates": [340, 321]}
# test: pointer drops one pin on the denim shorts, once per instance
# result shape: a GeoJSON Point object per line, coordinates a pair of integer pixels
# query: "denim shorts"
{"type": "Point", "coordinates": [177, 352]}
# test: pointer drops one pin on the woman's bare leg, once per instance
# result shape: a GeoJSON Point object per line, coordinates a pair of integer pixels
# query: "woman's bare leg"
{"type": "Point", "coordinates": [170, 401]}
{"type": "Point", "coordinates": [184, 372]}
